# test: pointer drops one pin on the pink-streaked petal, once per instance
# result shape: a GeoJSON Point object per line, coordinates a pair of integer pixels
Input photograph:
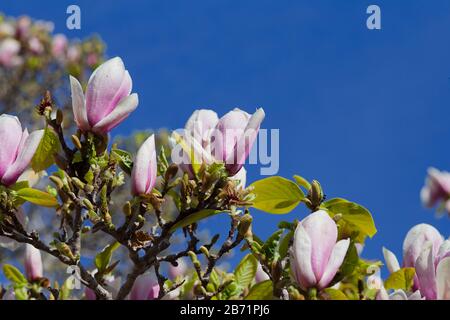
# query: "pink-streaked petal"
{"type": "Point", "coordinates": [236, 157]}
{"type": "Point", "coordinates": [10, 137]}
{"type": "Point", "coordinates": [391, 260]}
{"type": "Point", "coordinates": [443, 279]}
{"type": "Point", "coordinates": [301, 258]}
{"type": "Point", "coordinates": [78, 105]}
{"type": "Point", "coordinates": [200, 124]}
{"type": "Point", "coordinates": [415, 240]}
{"type": "Point", "coordinates": [143, 174]}
{"type": "Point", "coordinates": [323, 233]}
{"type": "Point", "coordinates": [398, 295]}
{"type": "Point", "coordinates": [23, 159]}
{"type": "Point", "coordinates": [108, 85]}
{"type": "Point", "coordinates": [33, 263]}
{"type": "Point", "coordinates": [120, 113]}
{"type": "Point", "coordinates": [335, 262]}
{"type": "Point", "coordinates": [426, 272]}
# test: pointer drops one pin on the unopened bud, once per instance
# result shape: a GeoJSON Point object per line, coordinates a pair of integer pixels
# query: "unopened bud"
{"type": "Point", "coordinates": [244, 225]}
{"type": "Point", "coordinates": [88, 204]}
{"type": "Point", "coordinates": [78, 183]}
{"type": "Point", "coordinates": [76, 142]}
{"type": "Point", "coordinates": [316, 193]}
{"type": "Point", "coordinates": [204, 250]}
{"type": "Point", "coordinates": [88, 188]}
{"type": "Point", "coordinates": [127, 209]}
{"type": "Point", "coordinates": [57, 181]}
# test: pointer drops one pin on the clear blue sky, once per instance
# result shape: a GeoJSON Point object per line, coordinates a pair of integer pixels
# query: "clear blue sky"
{"type": "Point", "coordinates": [364, 112]}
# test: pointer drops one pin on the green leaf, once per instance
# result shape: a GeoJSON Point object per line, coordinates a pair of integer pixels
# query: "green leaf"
{"type": "Point", "coordinates": [21, 293]}
{"type": "Point", "coordinates": [14, 275]}
{"type": "Point", "coordinates": [302, 182]}
{"type": "Point", "coordinates": [355, 215]}
{"type": "Point", "coordinates": [284, 244]}
{"type": "Point", "coordinates": [37, 197]}
{"type": "Point", "coordinates": [103, 259]}
{"type": "Point", "coordinates": [43, 157]}
{"type": "Point", "coordinates": [194, 217]}
{"type": "Point", "coordinates": [276, 195]}
{"type": "Point", "coordinates": [261, 291]}
{"type": "Point", "coordinates": [271, 245]}
{"type": "Point", "coordinates": [334, 294]}
{"type": "Point", "coordinates": [246, 270]}
{"type": "Point", "coordinates": [19, 185]}
{"type": "Point", "coordinates": [401, 279]}
{"type": "Point", "coordinates": [214, 279]}
{"type": "Point", "coordinates": [124, 159]}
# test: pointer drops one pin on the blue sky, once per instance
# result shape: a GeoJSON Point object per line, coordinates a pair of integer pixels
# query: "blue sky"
{"type": "Point", "coordinates": [364, 112]}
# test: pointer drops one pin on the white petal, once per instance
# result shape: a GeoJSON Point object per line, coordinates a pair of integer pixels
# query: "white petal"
{"type": "Point", "coordinates": [122, 110]}
{"type": "Point", "coordinates": [391, 260]}
{"type": "Point", "coordinates": [78, 105]}
{"type": "Point", "coordinates": [443, 279]}
{"type": "Point", "coordinates": [335, 261]}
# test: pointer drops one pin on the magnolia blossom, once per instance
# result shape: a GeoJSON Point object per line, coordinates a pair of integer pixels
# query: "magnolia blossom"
{"type": "Point", "coordinates": [433, 271]}
{"type": "Point", "coordinates": [143, 175]}
{"type": "Point", "coordinates": [18, 148]}
{"type": "Point", "coordinates": [107, 101]}
{"type": "Point", "coordinates": [227, 140]}
{"type": "Point", "coordinates": [59, 45]}
{"type": "Point", "coordinates": [9, 50]}
{"type": "Point", "coordinates": [315, 255]}
{"type": "Point", "coordinates": [144, 288]}
{"type": "Point", "coordinates": [436, 189]}
{"type": "Point", "coordinates": [179, 270]}
{"type": "Point", "coordinates": [33, 263]}
{"type": "Point", "coordinates": [425, 250]}
{"type": "Point", "coordinates": [261, 275]}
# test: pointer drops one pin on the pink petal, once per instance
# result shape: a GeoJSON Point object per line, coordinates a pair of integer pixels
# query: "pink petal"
{"type": "Point", "coordinates": [391, 260]}
{"type": "Point", "coordinates": [323, 233]}
{"type": "Point", "coordinates": [244, 143]}
{"type": "Point", "coordinates": [335, 262]}
{"type": "Point", "coordinates": [23, 159]}
{"type": "Point", "coordinates": [120, 113]}
{"type": "Point", "coordinates": [301, 258]}
{"type": "Point", "coordinates": [144, 170]}
{"type": "Point", "coordinates": [33, 262]}
{"type": "Point", "coordinates": [443, 279]}
{"type": "Point", "coordinates": [109, 84]}
{"type": "Point", "coordinates": [10, 137]}
{"type": "Point", "coordinates": [78, 105]}
{"type": "Point", "coordinates": [425, 271]}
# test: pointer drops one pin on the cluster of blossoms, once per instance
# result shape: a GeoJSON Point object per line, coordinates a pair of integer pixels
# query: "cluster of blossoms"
{"type": "Point", "coordinates": [34, 59]}
{"type": "Point", "coordinates": [26, 42]}
{"type": "Point", "coordinates": [318, 257]}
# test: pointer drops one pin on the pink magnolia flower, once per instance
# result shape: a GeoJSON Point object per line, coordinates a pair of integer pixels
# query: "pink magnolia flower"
{"type": "Point", "coordinates": [227, 140]}
{"type": "Point", "coordinates": [238, 131]}
{"type": "Point", "coordinates": [9, 49]}
{"type": "Point", "coordinates": [107, 101]}
{"type": "Point", "coordinates": [18, 148]}
{"type": "Point", "coordinates": [35, 45]}
{"type": "Point", "coordinates": [145, 288]}
{"type": "Point", "coordinates": [143, 175]}
{"type": "Point", "coordinates": [433, 271]}
{"type": "Point", "coordinates": [178, 271]}
{"type": "Point", "coordinates": [59, 45]}
{"type": "Point", "coordinates": [315, 255]}
{"type": "Point", "coordinates": [415, 242]}
{"type": "Point", "coordinates": [261, 275]}
{"type": "Point", "coordinates": [33, 263]}
{"type": "Point", "coordinates": [436, 189]}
